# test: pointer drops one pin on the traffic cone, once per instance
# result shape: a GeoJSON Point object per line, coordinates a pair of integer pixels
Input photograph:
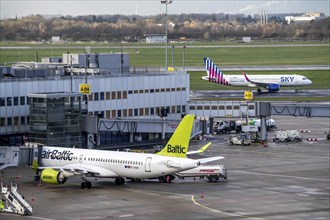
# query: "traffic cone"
{"type": "Point", "coordinates": [202, 195]}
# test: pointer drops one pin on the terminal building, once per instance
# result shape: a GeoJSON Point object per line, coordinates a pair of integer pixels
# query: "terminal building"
{"type": "Point", "coordinates": [114, 92]}
{"type": "Point", "coordinates": [42, 102]}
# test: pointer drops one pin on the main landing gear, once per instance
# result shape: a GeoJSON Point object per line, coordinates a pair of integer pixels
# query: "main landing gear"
{"type": "Point", "coordinates": [259, 91]}
{"type": "Point", "coordinates": [120, 181]}
{"type": "Point", "coordinates": [86, 184]}
{"type": "Point", "coordinates": [166, 178]}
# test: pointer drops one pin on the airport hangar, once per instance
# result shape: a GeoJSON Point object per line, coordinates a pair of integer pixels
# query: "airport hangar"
{"type": "Point", "coordinates": [40, 101]}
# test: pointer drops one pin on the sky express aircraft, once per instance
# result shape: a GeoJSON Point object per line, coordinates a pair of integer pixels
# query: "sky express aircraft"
{"type": "Point", "coordinates": [270, 82]}
{"type": "Point", "coordinates": [55, 164]}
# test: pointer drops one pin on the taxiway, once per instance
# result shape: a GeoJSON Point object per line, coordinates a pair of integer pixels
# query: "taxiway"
{"type": "Point", "coordinates": [214, 94]}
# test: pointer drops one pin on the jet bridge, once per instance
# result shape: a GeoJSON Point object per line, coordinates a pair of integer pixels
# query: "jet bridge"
{"type": "Point", "coordinates": [9, 157]}
{"type": "Point", "coordinates": [264, 109]}
{"type": "Point", "coordinates": [301, 109]}
{"type": "Point", "coordinates": [134, 126]}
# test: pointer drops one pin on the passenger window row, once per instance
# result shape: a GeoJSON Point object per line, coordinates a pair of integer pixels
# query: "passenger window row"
{"type": "Point", "coordinates": [114, 161]}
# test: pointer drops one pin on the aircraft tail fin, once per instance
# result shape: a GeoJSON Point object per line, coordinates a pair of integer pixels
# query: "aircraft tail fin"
{"type": "Point", "coordinates": [246, 78]}
{"type": "Point", "coordinates": [178, 144]}
{"type": "Point", "coordinates": [214, 74]}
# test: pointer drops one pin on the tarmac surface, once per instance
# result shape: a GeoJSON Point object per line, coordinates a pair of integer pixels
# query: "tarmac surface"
{"type": "Point", "coordinates": [286, 180]}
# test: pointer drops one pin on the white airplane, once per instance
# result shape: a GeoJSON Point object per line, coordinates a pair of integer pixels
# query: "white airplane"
{"type": "Point", "coordinates": [55, 164]}
{"type": "Point", "coordinates": [270, 82]}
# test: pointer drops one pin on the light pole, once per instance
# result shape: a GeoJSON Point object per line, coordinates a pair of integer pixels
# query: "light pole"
{"type": "Point", "coordinates": [184, 58]}
{"type": "Point", "coordinates": [173, 56]}
{"type": "Point", "coordinates": [166, 2]}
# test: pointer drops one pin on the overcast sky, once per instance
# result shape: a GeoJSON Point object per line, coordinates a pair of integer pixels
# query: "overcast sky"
{"type": "Point", "coordinates": [20, 8]}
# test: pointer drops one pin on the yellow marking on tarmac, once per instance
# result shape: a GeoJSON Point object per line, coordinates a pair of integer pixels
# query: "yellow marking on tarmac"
{"type": "Point", "coordinates": [219, 211]}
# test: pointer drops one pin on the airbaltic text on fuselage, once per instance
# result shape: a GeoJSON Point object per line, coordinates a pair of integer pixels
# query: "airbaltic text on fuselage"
{"type": "Point", "coordinates": [57, 155]}
{"type": "Point", "coordinates": [176, 149]}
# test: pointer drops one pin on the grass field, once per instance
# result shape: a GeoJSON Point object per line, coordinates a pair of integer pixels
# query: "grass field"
{"type": "Point", "coordinates": [234, 54]}
{"type": "Point", "coordinates": [222, 53]}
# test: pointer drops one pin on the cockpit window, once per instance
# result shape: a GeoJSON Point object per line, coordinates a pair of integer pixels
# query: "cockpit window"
{"type": "Point", "coordinates": [304, 78]}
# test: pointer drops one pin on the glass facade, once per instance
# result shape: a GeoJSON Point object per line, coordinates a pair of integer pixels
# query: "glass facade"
{"type": "Point", "coordinates": [55, 119]}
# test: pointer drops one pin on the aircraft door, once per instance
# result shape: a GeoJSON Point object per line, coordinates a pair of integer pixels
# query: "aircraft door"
{"type": "Point", "coordinates": [148, 164]}
{"type": "Point", "coordinates": [81, 158]}
{"type": "Point", "coordinates": [35, 155]}
{"type": "Point", "coordinates": [15, 156]}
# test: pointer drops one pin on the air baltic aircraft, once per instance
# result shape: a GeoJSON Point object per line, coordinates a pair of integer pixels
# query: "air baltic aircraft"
{"type": "Point", "coordinates": [270, 82]}
{"type": "Point", "coordinates": [55, 164]}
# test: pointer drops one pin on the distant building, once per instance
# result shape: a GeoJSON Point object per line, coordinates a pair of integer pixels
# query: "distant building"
{"type": "Point", "coordinates": [246, 20]}
{"type": "Point", "coordinates": [246, 39]}
{"type": "Point", "coordinates": [155, 38]}
{"type": "Point", "coordinates": [56, 39]}
{"type": "Point", "coordinates": [307, 17]}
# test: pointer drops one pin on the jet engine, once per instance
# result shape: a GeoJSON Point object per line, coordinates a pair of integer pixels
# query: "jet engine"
{"type": "Point", "coordinates": [51, 176]}
{"type": "Point", "coordinates": [272, 87]}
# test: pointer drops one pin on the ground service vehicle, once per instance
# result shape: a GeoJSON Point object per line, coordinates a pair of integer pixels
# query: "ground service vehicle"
{"type": "Point", "coordinates": [12, 201]}
{"type": "Point", "coordinates": [288, 135]}
{"type": "Point", "coordinates": [229, 126]}
{"type": "Point", "coordinates": [270, 123]}
{"type": "Point", "coordinates": [226, 127]}
{"type": "Point", "coordinates": [328, 134]}
{"type": "Point", "coordinates": [212, 172]}
{"type": "Point", "coordinates": [233, 140]}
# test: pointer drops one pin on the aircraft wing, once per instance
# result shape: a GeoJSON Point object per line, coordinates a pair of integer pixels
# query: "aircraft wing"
{"type": "Point", "coordinates": [79, 169]}
{"type": "Point", "coordinates": [173, 164]}
{"type": "Point", "coordinates": [201, 150]}
{"type": "Point", "coordinates": [256, 83]}
{"type": "Point", "coordinates": [210, 159]}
